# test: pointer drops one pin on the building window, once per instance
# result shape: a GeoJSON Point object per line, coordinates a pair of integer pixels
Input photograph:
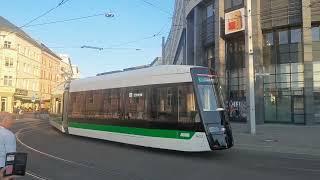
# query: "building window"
{"type": "Point", "coordinates": [10, 81]}
{"type": "Point", "coordinates": [8, 62]}
{"type": "Point", "coordinates": [269, 53]}
{"type": "Point", "coordinates": [229, 4]}
{"type": "Point", "coordinates": [316, 33]}
{"type": "Point", "coordinates": [235, 53]}
{"type": "Point", "coordinates": [283, 37]}
{"type": "Point", "coordinates": [7, 80]}
{"type": "Point", "coordinates": [289, 46]}
{"type": "Point", "coordinates": [283, 87]}
{"type": "Point", "coordinates": [210, 10]}
{"type": "Point", "coordinates": [7, 44]}
{"type": "Point", "coordinates": [316, 43]}
{"type": "Point", "coordinates": [24, 67]}
{"type": "Point", "coordinates": [295, 35]}
{"type": "Point", "coordinates": [29, 68]}
{"type": "Point", "coordinates": [269, 39]}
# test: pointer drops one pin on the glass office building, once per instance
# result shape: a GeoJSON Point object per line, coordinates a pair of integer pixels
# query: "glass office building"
{"type": "Point", "coordinates": [286, 53]}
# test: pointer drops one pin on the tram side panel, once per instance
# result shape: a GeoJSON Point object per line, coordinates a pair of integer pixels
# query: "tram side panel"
{"type": "Point", "coordinates": [134, 116]}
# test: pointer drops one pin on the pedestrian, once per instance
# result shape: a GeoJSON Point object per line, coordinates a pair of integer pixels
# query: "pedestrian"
{"type": "Point", "coordinates": [7, 138]}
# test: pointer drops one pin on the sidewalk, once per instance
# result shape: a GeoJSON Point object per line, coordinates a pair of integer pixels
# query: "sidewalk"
{"type": "Point", "coordinates": [293, 139]}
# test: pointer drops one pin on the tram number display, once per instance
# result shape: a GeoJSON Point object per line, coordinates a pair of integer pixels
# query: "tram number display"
{"type": "Point", "coordinates": [135, 95]}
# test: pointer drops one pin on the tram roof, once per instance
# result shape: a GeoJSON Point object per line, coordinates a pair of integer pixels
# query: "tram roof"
{"type": "Point", "coordinates": [162, 74]}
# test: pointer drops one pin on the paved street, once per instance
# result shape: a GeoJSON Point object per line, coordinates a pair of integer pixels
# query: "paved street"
{"type": "Point", "coordinates": [53, 155]}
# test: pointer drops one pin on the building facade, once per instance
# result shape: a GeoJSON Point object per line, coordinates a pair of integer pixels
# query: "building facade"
{"type": "Point", "coordinates": [68, 71]}
{"type": "Point", "coordinates": [19, 68]}
{"type": "Point", "coordinates": [286, 54]}
{"type": "Point", "coordinates": [29, 71]}
{"type": "Point", "coordinates": [50, 76]}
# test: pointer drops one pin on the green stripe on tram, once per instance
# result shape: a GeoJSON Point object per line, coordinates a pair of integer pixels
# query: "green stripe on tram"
{"type": "Point", "coordinates": [176, 134]}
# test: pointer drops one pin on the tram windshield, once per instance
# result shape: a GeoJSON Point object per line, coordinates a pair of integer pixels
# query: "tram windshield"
{"type": "Point", "coordinates": [207, 97]}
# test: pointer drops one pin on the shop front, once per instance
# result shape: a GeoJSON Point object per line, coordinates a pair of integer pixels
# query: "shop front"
{"type": "Point", "coordinates": [26, 100]}
{"type": "Point", "coordinates": [6, 100]}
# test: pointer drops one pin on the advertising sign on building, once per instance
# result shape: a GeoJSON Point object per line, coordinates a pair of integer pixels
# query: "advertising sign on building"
{"type": "Point", "coordinates": [21, 92]}
{"type": "Point", "coordinates": [234, 21]}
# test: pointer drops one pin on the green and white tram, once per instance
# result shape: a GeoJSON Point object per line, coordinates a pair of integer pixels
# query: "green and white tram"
{"type": "Point", "coordinates": [169, 107]}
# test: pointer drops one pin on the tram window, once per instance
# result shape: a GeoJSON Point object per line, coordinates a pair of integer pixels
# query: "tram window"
{"type": "Point", "coordinates": [169, 96]}
{"type": "Point", "coordinates": [164, 105]}
{"type": "Point", "coordinates": [161, 103]}
{"type": "Point", "coordinates": [173, 103]}
{"type": "Point", "coordinates": [97, 103]}
{"type": "Point", "coordinates": [135, 103]}
{"type": "Point", "coordinates": [90, 99]}
{"type": "Point", "coordinates": [106, 101]}
{"type": "Point", "coordinates": [207, 99]}
{"type": "Point", "coordinates": [186, 104]}
{"type": "Point", "coordinates": [115, 101]}
{"type": "Point", "coordinates": [180, 97]}
{"type": "Point", "coordinates": [108, 96]}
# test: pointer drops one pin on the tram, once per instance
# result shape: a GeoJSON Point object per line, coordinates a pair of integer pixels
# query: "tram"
{"type": "Point", "coordinates": [175, 107]}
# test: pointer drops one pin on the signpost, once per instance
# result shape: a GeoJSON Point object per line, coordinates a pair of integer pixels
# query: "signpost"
{"type": "Point", "coordinates": [236, 21]}
{"type": "Point", "coordinates": [250, 67]}
{"type": "Point", "coordinates": [33, 99]}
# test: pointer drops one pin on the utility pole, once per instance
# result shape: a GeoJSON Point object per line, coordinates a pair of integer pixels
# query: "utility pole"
{"type": "Point", "coordinates": [163, 47]}
{"type": "Point", "coordinates": [250, 67]}
{"type": "Point", "coordinates": [66, 98]}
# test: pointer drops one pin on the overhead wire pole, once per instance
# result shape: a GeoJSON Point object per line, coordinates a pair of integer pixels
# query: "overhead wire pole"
{"type": "Point", "coordinates": [67, 83]}
{"type": "Point", "coordinates": [250, 66]}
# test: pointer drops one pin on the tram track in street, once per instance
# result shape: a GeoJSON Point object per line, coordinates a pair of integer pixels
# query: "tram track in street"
{"type": "Point", "coordinates": [105, 159]}
{"type": "Point", "coordinates": [23, 131]}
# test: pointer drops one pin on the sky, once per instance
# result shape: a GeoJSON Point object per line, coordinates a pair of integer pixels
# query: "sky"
{"type": "Point", "coordinates": [133, 20]}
